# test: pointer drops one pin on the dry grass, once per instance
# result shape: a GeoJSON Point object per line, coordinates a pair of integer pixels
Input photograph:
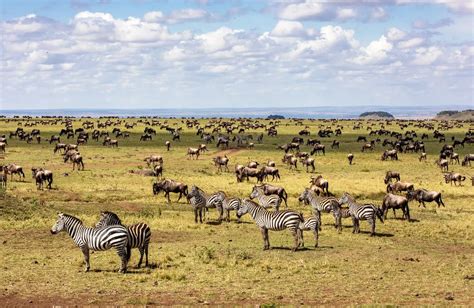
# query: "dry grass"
{"type": "Point", "coordinates": [426, 261]}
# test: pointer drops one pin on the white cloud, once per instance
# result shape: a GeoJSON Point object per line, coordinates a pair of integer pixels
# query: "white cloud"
{"type": "Point", "coordinates": [346, 13]}
{"type": "Point", "coordinates": [411, 43]}
{"type": "Point", "coordinates": [288, 28]}
{"type": "Point", "coordinates": [306, 10]}
{"type": "Point", "coordinates": [375, 52]}
{"type": "Point", "coordinates": [395, 34]}
{"type": "Point", "coordinates": [217, 40]}
{"type": "Point", "coordinates": [427, 56]}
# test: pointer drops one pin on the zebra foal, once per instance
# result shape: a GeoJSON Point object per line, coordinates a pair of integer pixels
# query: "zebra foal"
{"type": "Point", "coordinates": [139, 234]}
{"type": "Point", "coordinates": [313, 223]}
{"type": "Point", "coordinates": [96, 239]}
{"type": "Point", "coordinates": [275, 221]}
{"type": "Point", "coordinates": [360, 212]}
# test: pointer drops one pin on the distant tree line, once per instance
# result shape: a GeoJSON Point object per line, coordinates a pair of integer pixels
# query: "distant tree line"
{"type": "Point", "coordinates": [382, 114]}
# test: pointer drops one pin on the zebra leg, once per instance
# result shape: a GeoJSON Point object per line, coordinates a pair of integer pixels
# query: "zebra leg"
{"type": "Point", "coordinates": [354, 224]}
{"type": "Point", "coordinates": [122, 252]}
{"type": "Point", "coordinates": [301, 238]}
{"type": "Point", "coordinates": [372, 224]}
{"type": "Point", "coordinates": [296, 235]}
{"type": "Point", "coordinates": [146, 254]}
{"type": "Point", "coordinates": [142, 252]}
{"type": "Point", "coordinates": [85, 251]}
{"type": "Point", "coordinates": [195, 215]}
{"type": "Point", "coordinates": [264, 232]}
{"type": "Point", "coordinates": [316, 236]}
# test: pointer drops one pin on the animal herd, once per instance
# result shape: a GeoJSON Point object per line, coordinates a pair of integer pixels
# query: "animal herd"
{"type": "Point", "coordinates": [265, 201]}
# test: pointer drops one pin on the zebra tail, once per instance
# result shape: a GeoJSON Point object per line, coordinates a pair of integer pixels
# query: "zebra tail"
{"type": "Point", "coordinates": [129, 252]}
{"type": "Point", "coordinates": [379, 214]}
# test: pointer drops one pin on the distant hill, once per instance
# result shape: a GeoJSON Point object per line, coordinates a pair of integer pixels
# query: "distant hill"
{"type": "Point", "coordinates": [275, 117]}
{"type": "Point", "coordinates": [456, 115]}
{"type": "Point", "coordinates": [376, 115]}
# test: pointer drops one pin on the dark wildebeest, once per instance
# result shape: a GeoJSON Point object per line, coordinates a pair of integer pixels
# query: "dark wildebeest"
{"type": "Point", "coordinates": [220, 161]}
{"type": "Point", "coordinates": [391, 175]}
{"type": "Point", "coordinates": [275, 190]}
{"type": "Point", "coordinates": [321, 183]}
{"type": "Point", "coordinates": [392, 154]}
{"type": "Point", "coordinates": [221, 140]}
{"type": "Point", "coordinates": [454, 158]}
{"type": "Point", "coordinates": [467, 159]}
{"type": "Point", "coordinates": [168, 145]}
{"type": "Point", "coordinates": [253, 164]}
{"type": "Point", "coordinates": [361, 138]}
{"type": "Point", "coordinates": [317, 148]}
{"type": "Point", "coordinates": [308, 162]}
{"type": "Point", "coordinates": [15, 169]}
{"type": "Point", "coordinates": [335, 144]}
{"type": "Point", "coordinates": [422, 156]}
{"type": "Point", "coordinates": [391, 201]}
{"type": "Point", "coordinates": [271, 163]}
{"type": "Point", "coordinates": [60, 146]}
{"type": "Point", "coordinates": [290, 160]}
{"type": "Point", "coordinates": [266, 171]}
{"type": "Point", "coordinates": [238, 172]}
{"type": "Point", "coordinates": [2, 146]}
{"type": "Point", "coordinates": [54, 138]}
{"type": "Point", "coordinates": [454, 177]}
{"type": "Point", "coordinates": [350, 158]}
{"type": "Point", "coordinates": [145, 137]}
{"type": "Point", "coordinates": [41, 175]}
{"type": "Point", "coordinates": [423, 195]}
{"type": "Point", "coordinates": [443, 164]}
{"type": "Point", "coordinates": [76, 159]}
{"type": "Point", "coordinates": [170, 186]}
{"type": "Point", "coordinates": [252, 172]}
{"type": "Point", "coordinates": [399, 186]}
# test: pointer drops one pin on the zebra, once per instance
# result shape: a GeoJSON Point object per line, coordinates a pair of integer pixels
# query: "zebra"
{"type": "Point", "coordinates": [138, 234]}
{"type": "Point", "coordinates": [264, 200]}
{"type": "Point", "coordinates": [361, 212]}
{"type": "Point", "coordinates": [231, 204]}
{"type": "Point", "coordinates": [322, 204]}
{"type": "Point", "coordinates": [96, 239]}
{"type": "Point", "coordinates": [201, 201]}
{"type": "Point", "coordinates": [275, 221]}
{"type": "Point", "coordinates": [311, 224]}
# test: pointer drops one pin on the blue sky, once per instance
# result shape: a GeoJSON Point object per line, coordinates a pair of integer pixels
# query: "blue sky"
{"type": "Point", "coordinates": [209, 53]}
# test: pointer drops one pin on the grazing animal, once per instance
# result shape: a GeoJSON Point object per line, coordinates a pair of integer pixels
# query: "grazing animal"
{"type": "Point", "coordinates": [454, 158]}
{"type": "Point", "coordinates": [392, 154]}
{"type": "Point", "coordinates": [193, 152]}
{"type": "Point", "coordinates": [201, 201]}
{"type": "Point", "coordinates": [266, 201]}
{"type": "Point", "coordinates": [253, 164]}
{"type": "Point", "coordinates": [250, 172]}
{"type": "Point", "coordinates": [361, 212]}
{"type": "Point", "coordinates": [96, 239]}
{"type": "Point", "coordinates": [220, 161]}
{"type": "Point", "coordinates": [2, 147]}
{"type": "Point", "coordinates": [231, 204]}
{"type": "Point", "coordinates": [41, 176]}
{"type": "Point", "coordinates": [443, 164]}
{"type": "Point", "coordinates": [291, 161]}
{"type": "Point", "coordinates": [152, 159]}
{"type": "Point", "coordinates": [350, 158]}
{"type": "Point", "coordinates": [335, 144]}
{"type": "Point", "coordinates": [275, 221]}
{"type": "Point", "coordinates": [317, 148]}
{"type": "Point", "coordinates": [367, 146]}
{"type": "Point", "coordinates": [391, 201]}
{"type": "Point", "coordinates": [275, 190]}
{"type": "Point", "coordinates": [15, 169]}
{"type": "Point", "coordinates": [3, 177]}
{"type": "Point", "coordinates": [422, 157]}
{"type": "Point", "coordinates": [423, 195]}
{"type": "Point", "coordinates": [77, 160]}
{"type": "Point", "coordinates": [308, 162]}
{"type": "Point", "coordinates": [389, 175]}
{"type": "Point", "coordinates": [266, 171]}
{"type": "Point", "coordinates": [454, 177]}
{"type": "Point", "coordinates": [399, 186]}
{"type": "Point", "coordinates": [467, 159]}
{"type": "Point", "coordinates": [170, 186]}
{"type": "Point", "coordinates": [321, 183]}
{"type": "Point", "coordinates": [322, 204]}
{"type": "Point", "coordinates": [313, 223]}
{"type": "Point", "coordinates": [59, 147]}
{"type": "Point", "coordinates": [139, 234]}
{"type": "Point", "coordinates": [168, 145]}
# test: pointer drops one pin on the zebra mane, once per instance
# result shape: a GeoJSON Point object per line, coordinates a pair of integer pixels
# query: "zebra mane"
{"type": "Point", "coordinates": [112, 215]}
{"type": "Point", "coordinates": [71, 217]}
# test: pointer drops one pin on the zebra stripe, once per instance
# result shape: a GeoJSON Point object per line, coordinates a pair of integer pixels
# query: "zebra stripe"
{"type": "Point", "coordinates": [201, 201]}
{"type": "Point", "coordinates": [98, 239]}
{"type": "Point", "coordinates": [275, 221]}
{"type": "Point", "coordinates": [311, 224]}
{"type": "Point", "coordinates": [231, 204]}
{"type": "Point", "coordinates": [264, 200]}
{"type": "Point", "coordinates": [323, 204]}
{"type": "Point", "coordinates": [139, 234]}
{"type": "Point", "coordinates": [360, 212]}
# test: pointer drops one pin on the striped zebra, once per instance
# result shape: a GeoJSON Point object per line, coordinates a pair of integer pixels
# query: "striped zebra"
{"type": "Point", "coordinates": [313, 223]}
{"type": "Point", "coordinates": [231, 204]}
{"type": "Point", "coordinates": [275, 221]}
{"type": "Point", "coordinates": [264, 200]}
{"type": "Point", "coordinates": [200, 201]}
{"type": "Point", "coordinates": [322, 204]}
{"type": "Point", "coordinates": [96, 239]}
{"type": "Point", "coordinates": [138, 234]}
{"type": "Point", "coordinates": [360, 212]}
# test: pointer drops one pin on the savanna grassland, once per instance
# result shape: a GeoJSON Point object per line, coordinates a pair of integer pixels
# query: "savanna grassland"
{"type": "Point", "coordinates": [427, 261]}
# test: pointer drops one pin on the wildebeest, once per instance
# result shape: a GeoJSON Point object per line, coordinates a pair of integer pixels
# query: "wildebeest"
{"type": "Point", "coordinates": [454, 177]}
{"type": "Point", "coordinates": [60, 146]}
{"type": "Point", "coordinates": [308, 162]}
{"type": "Point", "coordinates": [168, 145]}
{"type": "Point", "coordinates": [422, 156]}
{"type": "Point", "coordinates": [251, 172]}
{"type": "Point", "coordinates": [275, 190]}
{"type": "Point", "coordinates": [221, 140]}
{"type": "Point", "coordinates": [335, 144]}
{"type": "Point", "coordinates": [320, 182]}
{"type": "Point", "coordinates": [170, 186]}
{"type": "Point", "coordinates": [152, 159]}
{"type": "Point", "coordinates": [41, 175]}
{"type": "Point", "coordinates": [443, 164]}
{"type": "Point", "coordinates": [423, 195]}
{"type": "Point", "coordinates": [467, 159]}
{"type": "Point", "coordinates": [291, 161]}
{"type": "Point", "coordinates": [317, 148]}
{"type": "Point", "coordinates": [350, 158]}
{"type": "Point", "coordinates": [76, 159]}
{"type": "Point", "coordinates": [399, 186]}
{"type": "Point", "coordinates": [3, 177]}
{"type": "Point", "coordinates": [193, 152]}
{"type": "Point", "coordinates": [54, 138]}
{"type": "Point", "coordinates": [391, 201]}
{"type": "Point", "coordinates": [220, 161]}
{"type": "Point", "coordinates": [238, 172]}
{"type": "Point", "coordinates": [2, 146]}
{"type": "Point", "coordinates": [389, 175]}
{"type": "Point", "coordinates": [14, 169]}
{"type": "Point", "coordinates": [266, 171]}
{"type": "Point", "coordinates": [361, 138]}
{"type": "Point", "coordinates": [145, 137]}
{"type": "Point", "coordinates": [454, 158]}
{"type": "Point", "coordinates": [392, 154]}
{"type": "Point", "coordinates": [367, 146]}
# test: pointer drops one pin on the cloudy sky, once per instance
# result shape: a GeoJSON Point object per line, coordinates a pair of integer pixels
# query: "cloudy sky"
{"type": "Point", "coordinates": [207, 53]}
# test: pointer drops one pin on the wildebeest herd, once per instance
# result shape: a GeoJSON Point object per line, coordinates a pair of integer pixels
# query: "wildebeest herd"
{"type": "Point", "coordinates": [264, 201]}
